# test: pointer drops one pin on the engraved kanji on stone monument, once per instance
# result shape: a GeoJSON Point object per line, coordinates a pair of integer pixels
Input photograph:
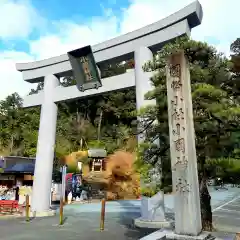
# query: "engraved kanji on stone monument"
{"type": "Point", "coordinates": [174, 102]}
{"type": "Point", "coordinates": [175, 70]}
{"type": "Point", "coordinates": [178, 114]}
{"type": "Point", "coordinates": [181, 163]}
{"type": "Point", "coordinates": [182, 185]}
{"type": "Point", "coordinates": [182, 147]}
{"type": "Point", "coordinates": [176, 85]}
{"type": "Point", "coordinates": [177, 131]}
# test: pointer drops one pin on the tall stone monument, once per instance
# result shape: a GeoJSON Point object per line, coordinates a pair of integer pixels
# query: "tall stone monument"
{"type": "Point", "coordinates": [182, 147]}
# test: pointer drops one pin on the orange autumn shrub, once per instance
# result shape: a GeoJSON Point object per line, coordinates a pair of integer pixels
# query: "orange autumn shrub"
{"type": "Point", "coordinates": [123, 181]}
{"type": "Point", "coordinates": [119, 180]}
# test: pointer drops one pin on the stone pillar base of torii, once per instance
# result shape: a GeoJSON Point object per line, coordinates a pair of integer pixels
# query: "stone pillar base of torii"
{"type": "Point", "coordinates": [188, 224]}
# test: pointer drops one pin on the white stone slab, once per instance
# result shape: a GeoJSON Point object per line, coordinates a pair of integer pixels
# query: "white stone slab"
{"type": "Point", "coordinates": [174, 236]}
{"type": "Point", "coordinates": [163, 234]}
{"type": "Point", "coordinates": [155, 236]}
{"type": "Point", "coordinates": [142, 223]}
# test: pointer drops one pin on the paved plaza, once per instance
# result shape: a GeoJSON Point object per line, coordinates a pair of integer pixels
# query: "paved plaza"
{"type": "Point", "coordinates": [82, 220]}
{"type": "Point", "coordinates": [84, 226]}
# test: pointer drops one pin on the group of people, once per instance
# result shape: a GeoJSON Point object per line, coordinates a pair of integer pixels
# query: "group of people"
{"type": "Point", "coordinates": [7, 193]}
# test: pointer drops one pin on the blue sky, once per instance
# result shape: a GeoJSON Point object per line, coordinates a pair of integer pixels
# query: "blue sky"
{"type": "Point", "coordinates": [38, 29]}
{"type": "Point", "coordinates": [76, 9]}
{"type": "Point", "coordinates": [51, 11]}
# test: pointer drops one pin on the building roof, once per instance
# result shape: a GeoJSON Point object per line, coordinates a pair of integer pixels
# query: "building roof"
{"type": "Point", "coordinates": [16, 157]}
{"type": "Point", "coordinates": [20, 168]}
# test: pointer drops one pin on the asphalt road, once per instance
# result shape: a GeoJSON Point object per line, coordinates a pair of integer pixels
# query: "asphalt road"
{"type": "Point", "coordinates": [82, 221]}
{"type": "Point", "coordinates": [84, 226]}
{"type": "Point", "coordinates": [227, 215]}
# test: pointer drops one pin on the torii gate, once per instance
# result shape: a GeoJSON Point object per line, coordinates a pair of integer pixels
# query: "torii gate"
{"type": "Point", "coordinates": [140, 44]}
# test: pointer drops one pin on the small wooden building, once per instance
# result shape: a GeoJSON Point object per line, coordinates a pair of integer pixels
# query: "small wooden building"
{"type": "Point", "coordinates": [97, 159]}
{"type": "Point", "coordinates": [17, 171]}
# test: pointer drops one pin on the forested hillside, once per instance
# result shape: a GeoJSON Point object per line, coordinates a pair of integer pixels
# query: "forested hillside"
{"type": "Point", "coordinates": [105, 120]}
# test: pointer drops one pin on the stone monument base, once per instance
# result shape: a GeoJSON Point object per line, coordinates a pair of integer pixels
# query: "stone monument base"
{"type": "Point", "coordinates": [165, 235]}
{"type": "Point", "coordinates": [142, 223]}
{"type": "Point", "coordinates": [201, 236]}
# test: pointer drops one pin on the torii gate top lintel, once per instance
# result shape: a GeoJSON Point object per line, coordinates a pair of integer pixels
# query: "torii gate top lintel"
{"type": "Point", "coordinates": [175, 25]}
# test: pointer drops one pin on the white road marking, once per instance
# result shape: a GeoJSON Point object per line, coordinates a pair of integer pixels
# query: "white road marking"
{"type": "Point", "coordinates": [234, 205]}
{"type": "Point", "coordinates": [222, 216]}
{"type": "Point", "coordinates": [219, 207]}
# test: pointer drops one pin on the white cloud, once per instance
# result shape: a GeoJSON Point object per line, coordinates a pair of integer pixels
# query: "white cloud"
{"type": "Point", "coordinates": [219, 22]}
{"type": "Point", "coordinates": [17, 19]}
{"type": "Point", "coordinates": [219, 18]}
{"type": "Point", "coordinates": [11, 80]}
{"type": "Point", "coordinates": [143, 12]}
{"type": "Point", "coordinates": [71, 36]}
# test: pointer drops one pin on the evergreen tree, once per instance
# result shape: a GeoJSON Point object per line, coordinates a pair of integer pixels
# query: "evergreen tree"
{"type": "Point", "coordinates": [216, 110]}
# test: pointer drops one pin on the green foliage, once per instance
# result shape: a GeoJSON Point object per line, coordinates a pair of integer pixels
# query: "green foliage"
{"type": "Point", "coordinates": [77, 124]}
{"type": "Point", "coordinates": [216, 107]}
{"type": "Point", "coordinates": [226, 168]}
{"type": "Point", "coordinates": [215, 92]}
{"type": "Point", "coordinates": [149, 191]}
{"type": "Point", "coordinates": [148, 187]}
{"type": "Point", "coordinates": [72, 169]}
{"type": "Point", "coordinates": [19, 128]}
{"type": "Point", "coordinates": [235, 47]}
{"type": "Point", "coordinates": [142, 166]}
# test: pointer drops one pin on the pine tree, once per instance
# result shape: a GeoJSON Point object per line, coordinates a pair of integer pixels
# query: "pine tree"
{"type": "Point", "coordinates": [216, 111]}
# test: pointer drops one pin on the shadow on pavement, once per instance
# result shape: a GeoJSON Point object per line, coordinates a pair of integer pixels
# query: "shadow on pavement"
{"type": "Point", "coordinates": [127, 220]}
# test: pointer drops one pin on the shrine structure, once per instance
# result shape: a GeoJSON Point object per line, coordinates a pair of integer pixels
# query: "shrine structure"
{"type": "Point", "coordinates": [140, 44]}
